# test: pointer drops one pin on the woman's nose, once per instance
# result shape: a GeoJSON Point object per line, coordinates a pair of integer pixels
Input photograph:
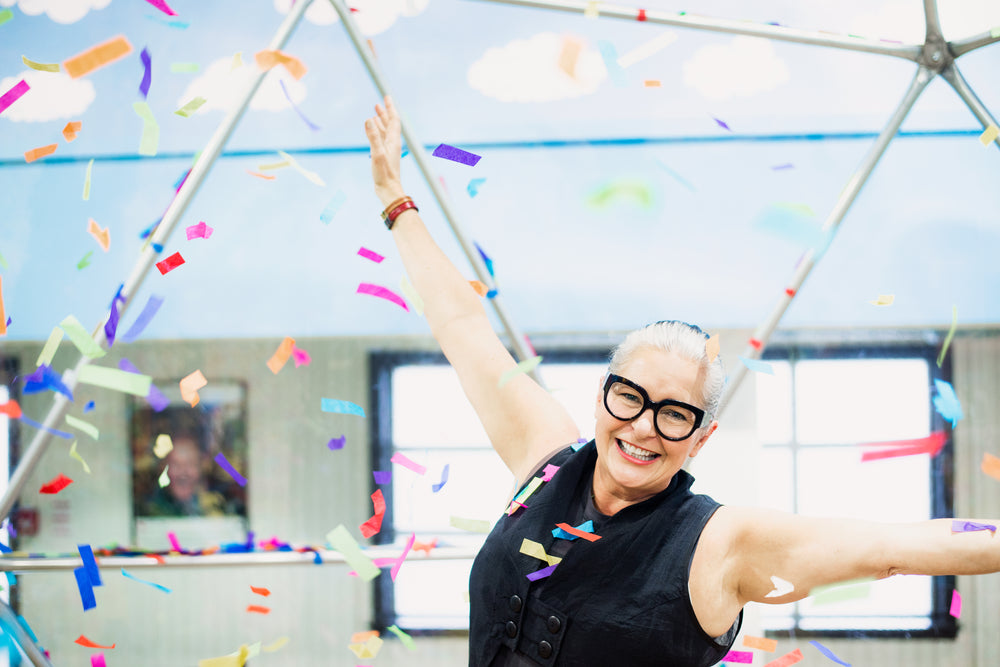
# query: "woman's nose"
{"type": "Point", "coordinates": [643, 424]}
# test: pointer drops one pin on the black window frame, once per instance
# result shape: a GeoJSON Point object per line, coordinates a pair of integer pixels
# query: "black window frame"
{"type": "Point", "coordinates": [941, 482]}
{"type": "Point", "coordinates": [9, 368]}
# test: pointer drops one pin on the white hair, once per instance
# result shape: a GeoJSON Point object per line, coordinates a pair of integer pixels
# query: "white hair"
{"type": "Point", "coordinates": [685, 340]}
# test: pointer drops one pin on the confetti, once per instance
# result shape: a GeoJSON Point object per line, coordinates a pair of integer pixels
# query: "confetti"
{"type": "Point", "coordinates": [38, 153]}
{"type": "Point", "coordinates": [970, 526]}
{"type": "Point", "coordinates": [275, 645]}
{"type": "Point", "coordinates": [471, 525]}
{"type": "Point", "coordinates": [147, 73]}
{"type": "Point", "coordinates": [143, 581]}
{"type": "Point", "coordinates": [301, 357]}
{"type": "Point", "coordinates": [112, 378]}
{"type": "Point", "coordinates": [370, 254]}
{"type": "Point", "coordinates": [610, 56]}
{"type": "Point", "coordinates": [184, 68]}
{"type": "Point", "coordinates": [536, 550]}
{"type": "Point", "coordinates": [97, 57]}
{"type": "Point", "coordinates": [163, 445]}
{"type": "Point", "coordinates": [989, 135]}
{"type": "Point", "coordinates": [11, 409]}
{"type": "Point", "coordinates": [257, 609]}
{"type": "Point", "coordinates": [883, 300]}
{"type": "Point", "coordinates": [757, 366]}
{"type": "Point", "coordinates": [786, 660]}
{"type": "Point", "coordinates": [85, 262]}
{"type": "Point", "coordinates": [170, 263]}
{"type": "Point", "coordinates": [263, 176]}
{"type": "Point", "coordinates": [190, 386]}
{"type": "Point", "coordinates": [585, 533]}
{"type": "Point", "coordinates": [647, 49]}
{"type": "Point", "coordinates": [721, 124]}
{"type": "Point", "coordinates": [951, 334]}
{"type": "Point", "coordinates": [591, 11]}
{"type": "Point", "coordinates": [280, 356]}
{"type": "Point", "coordinates": [473, 187]}
{"type": "Point", "coordinates": [410, 292]}
{"type": "Point", "coordinates": [403, 637]}
{"type": "Point", "coordinates": [150, 140]}
{"type": "Point", "coordinates": [3, 315]}
{"type": "Point", "coordinates": [337, 443]}
{"type": "Point", "coordinates": [102, 236]}
{"type": "Point", "coordinates": [525, 366]}
{"type": "Point", "coordinates": [44, 378]}
{"type": "Point", "coordinates": [220, 458]}
{"type": "Point", "coordinates": [86, 181]}
{"type": "Point", "coordinates": [342, 407]}
{"type": "Point", "coordinates": [97, 660]}
{"type": "Point", "coordinates": [83, 641]}
{"type": "Point", "coordinates": [947, 403]}
{"type": "Point", "coordinates": [549, 471]}
{"type": "Point", "coordinates": [712, 348]}
{"type": "Point", "coordinates": [86, 589]}
{"type": "Point", "coordinates": [444, 478]}
{"type": "Point", "coordinates": [5, 15]}
{"type": "Point", "coordinates": [406, 550]}
{"type": "Point", "coordinates": [456, 155]}
{"type": "Point", "coordinates": [541, 574]}
{"type": "Point", "coordinates": [71, 129]}
{"type": "Point", "coordinates": [13, 94]}
{"type": "Point", "coordinates": [857, 589]}
{"type": "Point", "coordinates": [406, 462]}
{"type": "Point", "coordinates": [338, 199]}
{"type": "Point", "coordinates": [745, 657]}
{"type": "Point", "coordinates": [268, 58]}
{"type": "Point", "coordinates": [190, 107]}
{"type": "Point", "coordinates": [164, 478]}
{"type": "Point", "coordinates": [932, 445]}
{"type": "Point", "coordinates": [81, 425]}
{"type": "Point", "coordinates": [781, 588]}
{"type": "Point", "coordinates": [148, 311]}
{"type": "Point", "coordinates": [295, 107]}
{"type": "Point", "coordinates": [956, 605]}
{"type": "Point", "coordinates": [310, 176]}
{"type": "Point", "coordinates": [340, 539]}
{"type": "Point", "coordinates": [369, 649]}
{"type": "Point", "coordinates": [382, 476]}
{"type": "Point", "coordinates": [990, 465]}
{"type": "Point", "coordinates": [829, 654]}
{"type": "Point", "coordinates": [260, 591]}
{"type": "Point", "coordinates": [374, 524]}
{"type": "Point", "coordinates": [768, 645]}
{"type": "Point", "coordinates": [382, 293]}
{"type": "Point", "coordinates": [163, 7]}
{"type": "Point", "coordinates": [57, 484]}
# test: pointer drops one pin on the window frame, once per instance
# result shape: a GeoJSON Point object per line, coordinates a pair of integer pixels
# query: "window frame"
{"type": "Point", "coordinates": [381, 364]}
{"type": "Point", "coordinates": [941, 483]}
{"type": "Point", "coordinates": [8, 375]}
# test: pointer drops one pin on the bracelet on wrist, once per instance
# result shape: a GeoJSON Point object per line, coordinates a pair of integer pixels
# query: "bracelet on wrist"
{"type": "Point", "coordinates": [395, 209]}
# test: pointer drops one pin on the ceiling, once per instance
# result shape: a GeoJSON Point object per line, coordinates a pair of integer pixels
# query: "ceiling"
{"type": "Point", "coordinates": [606, 202]}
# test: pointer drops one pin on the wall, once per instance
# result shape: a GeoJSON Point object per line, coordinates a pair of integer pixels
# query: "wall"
{"type": "Point", "coordinates": [301, 490]}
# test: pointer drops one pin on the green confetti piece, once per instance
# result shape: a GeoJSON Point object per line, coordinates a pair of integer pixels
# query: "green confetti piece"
{"type": "Point", "coordinates": [81, 425]}
{"type": "Point", "coordinates": [471, 525]}
{"type": "Point", "coordinates": [403, 637]}
{"type": "Point", "coordinates": [86, 181]}
{"type": "Point", "coordinates": [951, 334]}
{"type": "Point", "coordinates": [856, 589]}
{"type": "Point", "coordinates": [51, 345]}
{"type": "Point", "coordinates": [113, 378]}
{"type": "Point", "coordinates": [85, 262]}
{"type": "Point", "coordinates": [189, 108]}
{"type": "Point", "coordinates": [3, 262]}
{"type": "Point", "coordinates": [184, 68]}
{"type": "Point", "coordinates": [5, 15]}
{"type": "Point", "coordinates": [150, 129]}
{"type": "Point", "coordinates": [341, 540]}
{"type": "Point", "coordinates": [83, 340]}
{"type": "Point", "coordinates": [525, 366]}
{"type": "Point", "coordinates": [995, 32]}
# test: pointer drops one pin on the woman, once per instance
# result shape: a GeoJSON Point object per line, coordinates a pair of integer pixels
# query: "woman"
{"type": "Point", "coordinates": [667, 581]}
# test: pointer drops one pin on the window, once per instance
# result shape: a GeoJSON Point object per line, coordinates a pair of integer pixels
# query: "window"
{"type": "Point", "coordinates": [820, 404]}
{"type": "Point", "coordinates": [421, 412]}
{"type": "Point", "coordinates": [8, 371]}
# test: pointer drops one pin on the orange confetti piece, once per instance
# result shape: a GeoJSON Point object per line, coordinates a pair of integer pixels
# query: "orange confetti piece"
{"type": "Point", "coordinates": [97, 56]}
{"type": "Point", "coordinates": [425, 546]}
{"type": "Point", "coordinates": [769, 645]}
{"type": "Point", "coordinates": [257, 609]}
{"type": "Point", "coordinates": [260, 590]}
{"type": "Point", "coordinates": [83, 641]}
{"type": "Point", "coordinates": [787, 659]}
{"type": "Point", "coordinates": [652, 83]}
{"type": "Point", "coordinates": [10, 408]}
{"type": "Point", "coordinates": [480, 287]}
{"type": "Point", "coordinates": [211, 550]}
{"type": "Point", "coordinates": [991, 465]}
{"type": "Point", "coordinates": [268, 58]}
{"type": "Point", "coordinates": [71, 130]}
{"type": "Point", "coordinates": [3, 329]}
{"type": "Point", "coordinates": [712, 348]}
{"type": "Point", "coordinates": [362, 637]}
{"type": "Point", "coordinates": [266, 177]}
{"type": "Point", "coordinates": [190, 386]}
{"type": "Point", "coordinates": [58, 483]}
{"type": "Point", "coordinates": [280, 357]}
{"type": "Point", "coordinates": [590, 537]}
{"type": "Point", "coordinates": [40, 152]}
{"type": "Point", "coordinates": [103, 236]}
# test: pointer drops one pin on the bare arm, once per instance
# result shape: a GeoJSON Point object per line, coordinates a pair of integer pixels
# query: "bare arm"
{"type": "Point", "coordinates": [523, 421]}
{"type": "Point", "coordinates": [810, 552]}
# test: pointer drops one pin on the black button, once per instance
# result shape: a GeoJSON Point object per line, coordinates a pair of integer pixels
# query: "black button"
{"type": "Point", "coordinates": [544, 649]}
{"type": "Point", "coordinates": [515, 603]}
{"type": "Point", "coordinates": [554, 624]}
{"type": "Point", "coordinates": [511, 629]}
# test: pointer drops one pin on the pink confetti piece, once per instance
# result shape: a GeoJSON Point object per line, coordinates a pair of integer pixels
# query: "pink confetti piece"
{"type": "Point", "coordinates": [383, 293]}
{"type": "Point", "coordinates": [548, 472]}
{"type": "Point", "coordinates": [199, 231]}
{"type": "Point", "coordinates": [163, 7]}
{"type": "Point", "coordinates": [406, 551]}
{"type": "Point", "coordinates": [956, 604]}
{"type": "Point", "coordinates": [745, 657]}
{"type": "Point", "coordinates": [97, 660]}
{"type": "Point", "coordinates": [301, 357]}
{"type": "Point", "coordinates": [14, 94]}
{"type": "Point", "coordinates": [370, 254]}
{"type": "Point", "coordinates": [174, 544]}
{"type": "Point", "coordinates": [407, 463]}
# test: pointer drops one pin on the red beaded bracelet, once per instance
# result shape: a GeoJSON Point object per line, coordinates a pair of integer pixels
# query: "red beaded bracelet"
{"type": "Point", "coordinates": [390, 217]}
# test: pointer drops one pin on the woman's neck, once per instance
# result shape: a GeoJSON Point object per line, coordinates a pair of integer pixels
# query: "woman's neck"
{"type": "Point", "coordinates": [610, 498]}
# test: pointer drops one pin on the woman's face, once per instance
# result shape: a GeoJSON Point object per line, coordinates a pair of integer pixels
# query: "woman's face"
{"type": "Point", "coordinates": [185, 469]}
{"type": "Point", "coordinates": [644, 473]}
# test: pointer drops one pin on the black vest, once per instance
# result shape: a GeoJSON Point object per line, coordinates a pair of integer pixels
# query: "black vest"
{"type": "Point", "coordinates": [621, 600]}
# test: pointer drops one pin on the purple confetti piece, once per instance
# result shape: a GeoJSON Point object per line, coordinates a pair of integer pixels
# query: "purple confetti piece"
{"type": "Point", "coordinates": [155, 397]}
{"type": "Point", "coordinates": [152, 305]}
{"type": "Point", "coordinates": [970, 526]}
{"type": "Point", "coordinates": [40, 427]}
{"type": "Point", "coordinates": [111, 326]}
{"type": "Point", "coordinates": [444, 478]}
{"type": "Point", "coordinates": [722, 124]}
{"type": "Point", "coordinates": [147, 73]}
{"type": "Point", "coordinates": [220, 458]}
{"type": "Point", "coordinates": [456, 155]}
{"type": "Point", "coordinates": [382, 476]}
{"type": "Point", "coordinates": [787, 165]}
{"type": "Point", "coordinates": [9, 321]}
{"type": "Point", "coordinates": [312, 126]}
{"type": "Point", "coordinates": [828, 653]}
{"type": "Point", "coordinates": [541, 574]}
{"type": "Point", "coordinates": [11, 530]}
{"type": "Point", "coordinates": [337, 443]}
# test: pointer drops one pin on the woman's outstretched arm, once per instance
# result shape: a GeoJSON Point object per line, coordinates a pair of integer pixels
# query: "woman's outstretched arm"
{"type": "Point", "coordinates": [523, 421]}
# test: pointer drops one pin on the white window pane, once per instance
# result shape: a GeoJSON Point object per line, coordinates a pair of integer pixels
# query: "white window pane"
{"type": "Point", "coordinates": [900, 596]}
{"type": "Point", "coordinates": [433, 594]}
{"type": "Point", "coordinates": [577, 387]}
{"type": "Point", "coordinates": [833, 482]}
{"type": "Point", "coordinates": [429, 409]}
{"type": "Point", "coordinates": [861, 400]}
{"type": "Point", "coordinates": [777, 487]}
{"type": "Point", "coordinates": [774, 404]}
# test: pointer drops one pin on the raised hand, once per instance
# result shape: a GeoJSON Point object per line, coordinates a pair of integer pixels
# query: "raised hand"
{"type": "Point", "coordinates": [383, 130]}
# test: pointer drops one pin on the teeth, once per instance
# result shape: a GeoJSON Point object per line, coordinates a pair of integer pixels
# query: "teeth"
{"type": "Point", "coordinates": [635, 452]}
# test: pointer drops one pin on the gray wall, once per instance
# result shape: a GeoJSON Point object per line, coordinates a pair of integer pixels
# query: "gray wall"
{"type": "Point", "coordinates": [301, 490]}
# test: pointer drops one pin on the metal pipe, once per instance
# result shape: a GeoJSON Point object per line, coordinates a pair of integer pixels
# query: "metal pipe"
{"type": "Point", "coordinates": [781, 33]}
{"type": "Point", "coordinates": [962, 46]}
{"type": "Point", "coordinates": [932, 20]}
{"type": "Point", "coordinates": [16, 563]}
{"type": "Point", "coordinates": [147, 257]}
{"type": "Point", "coordinates": [22, 638]}
{"type": "Point", "coordinates": [763, 332]}
{"type": "Point", "coordinates": [517, 340]}
{"type": "Point", "coordinates": [953, 76]}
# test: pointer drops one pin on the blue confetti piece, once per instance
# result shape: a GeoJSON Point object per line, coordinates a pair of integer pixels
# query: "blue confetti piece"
{"type": "Point", "coordinates": [610, 56]}
{"type": "Point", "coordinates": [143, 581]}
{"type": "Point", "coordinates": [44, 378]}
{"type": "Point", "coordinates": [89, 406]}
{"type": "Point", "coordinates": [86, 592]}
{"type": "Point", "coordinates": [486, 260]}
{"type": "Point", "coordinates": [337, 443]}
{"type": "Point", "coordinates": [473, 187]}
{"type": "Point", "coordinates": [586, 526]}
{"type": "Point", "coordinates": [336, 202]}
{"type": "Point", "coordinates": [342, 407]}
{"type": "Point", "coordinates": [947, 403]}
{"type": "Point", "coordinates": [444, 478]}
{"type": "Point", "coordinates": [492, 293]}
{"type": "Point", "coordinates": [579, 445]}
{"type": "Point", "coordinates": [32, 422]}
{"type": "Point", "coordinates": [757, 366]}
{"type": "Point", "coordinates": [828, 653]}
{"type": "Point", "coordinates": [89, 564]}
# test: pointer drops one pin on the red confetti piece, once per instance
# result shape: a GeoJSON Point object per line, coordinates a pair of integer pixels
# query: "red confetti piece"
{"type": "Point", "coordinates": [11, 409]}
{"type": "Point", "coordinates": [789, 291]}
{"type": "Point", "coordinates": [787, 659]}
{"type": "Point", "coordinates": [170, 263]}
{"type": "Point", "coordinates": [260, 590]}
{"type": "Point", "coordinates": [257, 609]}
{"type": "Point", "coordinates": [642, 15]}
{"type": "Point", "coordinates": [756, 343]}
{"type": "Point", "coordinates": [374, 524]}
{"type": "Point", "coordinates": [932, 445]}
{"type": "Point", "coordinates": [83, 641]}
{"type": "Point", "coordinates": [590, 537]}
{"type": "Point", "coordinates": [59, 483]}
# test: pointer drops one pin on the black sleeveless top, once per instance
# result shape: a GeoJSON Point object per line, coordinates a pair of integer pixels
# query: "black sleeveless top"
{"type": "Point", "coordinates": [619, 600]}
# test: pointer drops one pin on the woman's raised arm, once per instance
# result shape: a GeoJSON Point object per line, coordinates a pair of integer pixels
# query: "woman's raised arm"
{"type": "Point", "coordinates": [523, 421]}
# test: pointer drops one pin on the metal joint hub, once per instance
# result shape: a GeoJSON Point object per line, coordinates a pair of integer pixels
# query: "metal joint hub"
{"type": "Point", "coordinates": [935, 54]}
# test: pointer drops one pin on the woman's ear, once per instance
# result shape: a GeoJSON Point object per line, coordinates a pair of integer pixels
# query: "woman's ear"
{"type": "Point", "coordinates": [708, 431]}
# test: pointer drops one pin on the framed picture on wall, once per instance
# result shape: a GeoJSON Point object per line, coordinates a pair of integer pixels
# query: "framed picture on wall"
{"type": "Point", "coordinates": [180, 483]}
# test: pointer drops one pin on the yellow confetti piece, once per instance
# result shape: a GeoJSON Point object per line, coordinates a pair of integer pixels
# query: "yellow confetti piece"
{"type": "Point", "coordinates": [164, 479]}
{"type": "Point", "coordinates": [86, 181]}
{"type": "Point", "coordinates": [76, 455]}
{"type": "Point", "coordinates": [536, 550]}
{"type": "Point", "coordinates": [310, 175]}
{"type": "Point", "coordinates": [41, 67]}
{"type": "Point", "coordinates": [83, 341]}
{"type": "Point", "coordinates": [275, 645]}
{"type": "Point", "coordinates": [232, 660]}
{"type": "Point", "coordinates": [410, 292]}
{"type": "Point", "coordinates": [150, 141]}
{"type": "Point", "coordinates": [989, 135]}
{"type": "Point", "coordinates": [274, 165]}
{"type": "Point", "coordinates": [163, 445]}
{"type": "Point", "coordinates": [712, 348]}
{"type": "Point", "coordinates": [340, 539]}
{"type": "Point", "coordinates": [518, 500]}
{"type": "Point", "coordinates": [367, 650]}
{"type": "Point", "coordinates": [51, 345]}
{"type": "Point", "coordinates": [592, 11]}
{"type": "Point", "coordinates": [855, 589]}
{"type": "Point", "coordinates": [951, 334]}
{"type": "Point", "coordinates": [471, 525]}
{"type": "Point", "coordinates": [883, 300]}
{"type": "Point", "coordinates": [81, 425]}
{"type": "Point", "coordinates": [525, 366]}
{"type": "Point", "coordinates": [237, 60]}
{"type": "Point", "coordinates": [192, 106]}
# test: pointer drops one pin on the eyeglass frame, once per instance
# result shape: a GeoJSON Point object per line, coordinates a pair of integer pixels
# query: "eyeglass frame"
{"type": "Point", "coordinates": [698, 412]}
